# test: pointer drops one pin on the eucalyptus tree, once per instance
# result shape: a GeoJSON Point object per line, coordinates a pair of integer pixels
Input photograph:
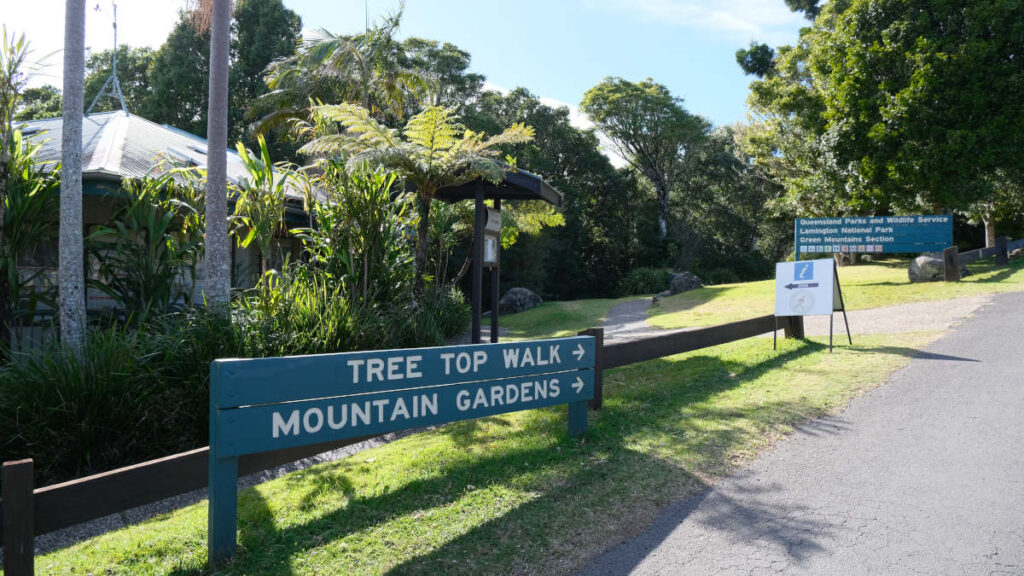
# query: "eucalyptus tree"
{"type": "Point", "coordinates": [650, 129]}
{"type": "Point", "coordinates": [431, 152]}
{"type": "Point", "coordinates": [71, 259]}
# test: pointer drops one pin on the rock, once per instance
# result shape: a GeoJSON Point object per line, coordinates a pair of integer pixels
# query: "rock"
{"type": "Point", "coordinates": [518, 300]}
{"type": "Point", "coordinates": [930, 267]}
{"type": "Point", "coordinates": [684, 282]}
{"type": "Point", "coordinates": [659, 296]}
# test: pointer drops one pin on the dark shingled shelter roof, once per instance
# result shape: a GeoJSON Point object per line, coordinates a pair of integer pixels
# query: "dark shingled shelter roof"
{"type": "Point", "coordinates": [517, 185]}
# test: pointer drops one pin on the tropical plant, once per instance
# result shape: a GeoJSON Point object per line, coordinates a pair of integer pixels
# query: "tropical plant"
{"type": "Point", "coordinates": [359, 240]}
{"type": "Point", "coordinates": [260, 202]}
{"type": "Point", "coordinates": [151, 248]}
{"type": "Point", "coordinates": [433, 151]}
{"type": "Point", "coordinates": [28, 223]}
{"type": "Point", "coordinates": [370, 69]}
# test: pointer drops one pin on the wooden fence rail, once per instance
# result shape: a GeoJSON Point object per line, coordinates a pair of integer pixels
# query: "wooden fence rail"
{"type": "Point", "coordinates": [27, 512]}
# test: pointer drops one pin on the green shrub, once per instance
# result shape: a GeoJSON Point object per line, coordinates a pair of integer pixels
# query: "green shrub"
{"type": "Point", "coordinates": [644, 281]}
{"type": "Point", "coordinates": [79, 415]}
{"type": "Point", "coordinates": [720, 276]}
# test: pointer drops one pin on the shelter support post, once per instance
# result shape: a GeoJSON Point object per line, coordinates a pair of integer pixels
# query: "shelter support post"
{"type": "Point", "coordinates": [478, 261]}
{"type": "Point", "coordinates": [495, 290]}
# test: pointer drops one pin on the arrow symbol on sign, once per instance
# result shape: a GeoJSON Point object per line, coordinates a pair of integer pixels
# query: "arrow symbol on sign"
{"type": "Point", "coordinates": [578, 352]}
{"type": "Point", "coordinates": [791, 285]}
{"type": "Point", "coordinates": [578, 385]}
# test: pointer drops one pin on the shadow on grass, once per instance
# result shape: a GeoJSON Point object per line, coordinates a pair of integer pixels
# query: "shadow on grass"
{"type": "Point", "coordinates": [585, 493]}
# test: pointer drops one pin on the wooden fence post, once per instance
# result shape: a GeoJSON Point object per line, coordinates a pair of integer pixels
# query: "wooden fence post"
{"type": "Point", "coordinates": [19, 532]}
{"type": "Point", "coordinates": [598, 334]}
{"type": "Point", "coordinates": [1002, 254]}
{"type": "Point", "coordinates": [794, 327]}
{"type": "Point", "coordinates": [951, 258]}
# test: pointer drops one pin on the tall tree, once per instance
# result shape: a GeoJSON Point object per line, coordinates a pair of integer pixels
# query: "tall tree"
{"type": "Point", "coordinates": [432, 151]}
{"type": "Point", "coordinates": [922, 97]}
{"type": "Point", "coordinates": [446, 66]}
{"type": "Point", "coordinates": [180, 78]}
{"type": "Point", "coordinates": [217, 264]}
{"type": "Point", "coordinates": [370, 69]}
{"type": "Point", "coordinates": [650, 129]}
{"type": "Point", "coordinates": [71, 271]}
{"type": "Point", "coordinates": [133, 66]}
{"type": "Point", "coordinates": [262, 31]}
{"type": "Point", "coordinates": [39, 102]}
{"type": "Point", "coordinates": [594, 247]}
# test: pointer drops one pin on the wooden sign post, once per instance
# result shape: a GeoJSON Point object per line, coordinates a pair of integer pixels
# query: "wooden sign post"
{"type": "Point", "coordinates": [266, 404]}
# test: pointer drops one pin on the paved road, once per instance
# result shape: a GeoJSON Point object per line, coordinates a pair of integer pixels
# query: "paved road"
{"type": "Point", "coordinates": [924, 475]}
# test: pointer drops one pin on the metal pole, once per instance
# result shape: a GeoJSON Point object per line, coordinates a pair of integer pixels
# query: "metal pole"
{"type": "Point", "coordinates": [478, 261]}
{"type": "Point", "coordinates": [495, 288]}
{"type": "Point", "coordinates": [831, 318]}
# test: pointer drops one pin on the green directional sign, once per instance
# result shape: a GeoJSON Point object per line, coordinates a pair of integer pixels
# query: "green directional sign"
{"type": "Point", "coordinates": [872, 234]}
{"type": "Point", "coordinates": [258, 405]}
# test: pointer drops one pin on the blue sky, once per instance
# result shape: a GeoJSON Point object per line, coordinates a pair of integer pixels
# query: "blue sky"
{"type": "Point", "coordinates": [555, 48]}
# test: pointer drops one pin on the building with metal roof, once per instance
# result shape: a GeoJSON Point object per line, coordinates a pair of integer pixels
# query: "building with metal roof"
{"type": "Point", "coordinates": [119, 145]}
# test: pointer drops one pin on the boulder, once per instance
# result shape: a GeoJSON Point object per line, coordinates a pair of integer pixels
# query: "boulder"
{"type": "Point", "coordinates": [518, 300]}
{"type": "Point", "coordinates": [930, 267]}
{"type": "Point", "coordinates": [684, 282]}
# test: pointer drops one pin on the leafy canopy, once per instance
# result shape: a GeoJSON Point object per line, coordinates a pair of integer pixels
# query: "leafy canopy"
{"type": "Point", "coordinates": [433, 150]}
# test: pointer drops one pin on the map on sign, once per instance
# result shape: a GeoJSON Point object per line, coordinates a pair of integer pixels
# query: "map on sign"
{"type": "Point", "coordinates": [805, 288]}
{"type": "Point", "coordinates": [873, 234]}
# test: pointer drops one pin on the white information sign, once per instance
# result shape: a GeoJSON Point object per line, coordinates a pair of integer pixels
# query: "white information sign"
{"type": "Point", "coordinates": [806, 288]}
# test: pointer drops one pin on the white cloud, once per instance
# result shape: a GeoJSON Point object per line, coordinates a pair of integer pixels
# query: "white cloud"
{"type": "Point", "coordinates": [765, 20]}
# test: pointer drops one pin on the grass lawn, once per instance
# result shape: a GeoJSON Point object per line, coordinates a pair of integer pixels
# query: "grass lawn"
{"type": "Point", "coordinates": [559, 319]}
{"type": "Point", "coordinates": [515, 494]}
{"type": "Point", "coordinates": [868, 285]}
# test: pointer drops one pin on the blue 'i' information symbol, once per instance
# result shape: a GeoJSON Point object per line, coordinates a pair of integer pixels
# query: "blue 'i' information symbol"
{"type": "Point", "coordinates": [803, 271]}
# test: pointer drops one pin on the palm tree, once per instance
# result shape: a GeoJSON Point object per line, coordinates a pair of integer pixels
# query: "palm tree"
{"type": "Point", "coordinates": [216, 15]}
{"type": "Point", "coordinates": [71, 264]}
{"type": "Point", "coordinates": [433, 151]}
{"type": "Point", "coordinates": [367, 69]}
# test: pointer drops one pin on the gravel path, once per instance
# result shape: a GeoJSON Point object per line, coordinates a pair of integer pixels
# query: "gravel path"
{"type": "Point", "coordinates": [924, 475]}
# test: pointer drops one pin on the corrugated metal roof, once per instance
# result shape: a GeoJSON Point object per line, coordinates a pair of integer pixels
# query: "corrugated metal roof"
{"type": "Point", "coordinates": [119, 145]}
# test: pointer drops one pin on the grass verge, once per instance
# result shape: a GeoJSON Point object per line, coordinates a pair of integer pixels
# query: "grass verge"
{"type": "Point", "coordinates": [868, 285]}
{"type": "Point", "coordinates": [558, 319]}
{"type": "Point", "coordinates": [515, 494]}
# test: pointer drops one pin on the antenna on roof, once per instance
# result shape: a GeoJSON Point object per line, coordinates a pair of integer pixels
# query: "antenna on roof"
{"type": "Point", "coordinates": [112, 82]}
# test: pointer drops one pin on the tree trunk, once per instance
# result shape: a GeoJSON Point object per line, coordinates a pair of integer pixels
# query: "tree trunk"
{"type": "Point", "coordinates": [663, 212]}
{"type": "Point", "coordinates": [422, 240]}
{"type": "Point", "coordinates": [217, 284]}
{"type": "Point", "coordinates": [990, 231]}
{"type": "Point", "coordinates": [71, 264]}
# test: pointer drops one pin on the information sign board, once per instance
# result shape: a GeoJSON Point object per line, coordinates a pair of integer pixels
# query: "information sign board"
{"type": "Point", "coordinates": [872, 234]}
{"type": "Point", "coordinates": [263, 404]}
{"type": "Point", "coordinates": [805, 288]}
